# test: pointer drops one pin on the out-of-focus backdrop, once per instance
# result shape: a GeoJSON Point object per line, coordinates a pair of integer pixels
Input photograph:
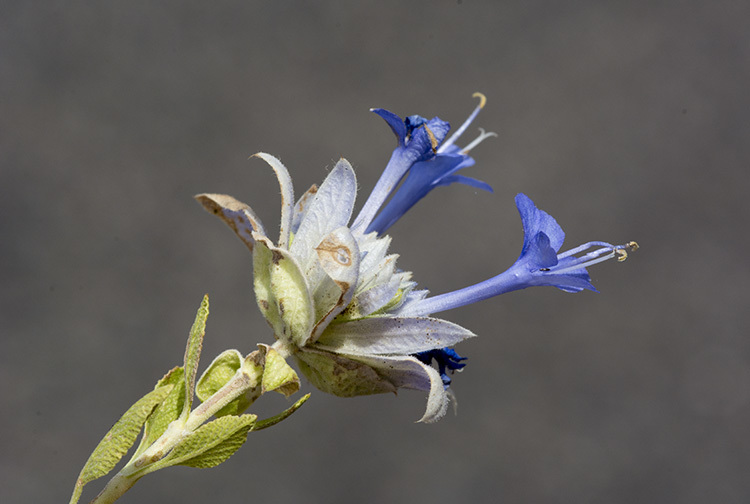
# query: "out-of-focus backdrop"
{"type": "Point", "coordinates": [624, 120]}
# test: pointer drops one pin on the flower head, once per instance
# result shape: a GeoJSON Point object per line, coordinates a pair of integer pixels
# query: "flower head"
{"type": "Point", "coordinates": [331, 294]}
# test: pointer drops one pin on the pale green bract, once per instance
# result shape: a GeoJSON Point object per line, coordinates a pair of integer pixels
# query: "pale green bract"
{"type": "Point", "coordinates": [332, 295]}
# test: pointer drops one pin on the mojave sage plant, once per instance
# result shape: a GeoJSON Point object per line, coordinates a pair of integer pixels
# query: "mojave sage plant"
{"type": "Point", "coordinates": [338, 305]}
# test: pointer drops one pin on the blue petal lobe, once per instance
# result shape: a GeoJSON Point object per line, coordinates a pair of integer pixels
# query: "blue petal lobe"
{"type": "Point", "coordinates": [534, 221]}
{"type": "Point", "coordinates": [395, 122]}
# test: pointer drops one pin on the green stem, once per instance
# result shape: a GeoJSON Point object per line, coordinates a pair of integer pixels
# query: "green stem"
{"type": "Point", "coordinates": [115, 488]}
{"type": "Point", "coordinates": [243, 381]}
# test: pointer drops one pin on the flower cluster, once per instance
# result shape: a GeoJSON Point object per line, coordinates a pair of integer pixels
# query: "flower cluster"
{"type": "Point", "coordinates": [333, 295]}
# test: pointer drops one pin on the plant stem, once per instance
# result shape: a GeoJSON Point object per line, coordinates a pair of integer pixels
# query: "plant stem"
{"type": "Point", "coordinates": [243, 381]}
{"type": "Point", "coordinates": [115, 488]}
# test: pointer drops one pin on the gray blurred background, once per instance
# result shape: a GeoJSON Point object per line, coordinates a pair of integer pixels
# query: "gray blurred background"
{"type": "Point", "coordinates": [624, 120]}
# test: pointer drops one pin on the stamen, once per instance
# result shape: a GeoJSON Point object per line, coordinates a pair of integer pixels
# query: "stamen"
{"type": "Point", "coordinates": [481, 138]}
{"type": "Point", "coordinates": [433, 140]}
{"type": "Point", "coordinates": [482, 99]}
{"type": "Point", "coordinates": [622, 253]}
{"type": "Point", "coordinates": [586, 246]}
{"type": "Point", "coordinates": [610, 251]}
{"type": "Point", "coordinates": [459, 131]}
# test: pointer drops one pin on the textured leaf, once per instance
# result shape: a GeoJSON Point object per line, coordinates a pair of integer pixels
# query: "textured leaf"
{"type": "Point", "coordinates": [268, 422]}
{"type": "Point", "coordinates": [119, 439]}
{"type": "Point", "coordinates": [193, 354]}
{"type": "Point", "coordinates": [211, 444]}
{"type": "Point", "coordinates": [167, 411]}
{"type": "Point", "coordinates": [278, 375]}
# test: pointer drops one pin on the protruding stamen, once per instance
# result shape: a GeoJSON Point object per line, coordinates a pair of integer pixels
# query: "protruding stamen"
{"type": "Point", "coordinates": [459, 131]}
{"type": "Point", "coordinates": [481, 138]}
{"type": "Point", "coordinates": [602, 254]}
{"type": "Point", "coordinates": [622, 253]}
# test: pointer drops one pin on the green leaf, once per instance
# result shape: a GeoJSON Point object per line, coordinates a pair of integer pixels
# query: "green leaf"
{"type": "Point", "coordinates": [278, 375]}
{"type": "Point", "coordinates": [211, 444]}
{"type": "Point", "coordinates": [221, 370]}
{"type": "Point", "coordinates": [167, 411]}
{"type": "Point", "coordinates": [119, 439]}
{"type": "Point", "coordinates": [268, 422]}
{"type": "Point", "coordinates": [193, 354]}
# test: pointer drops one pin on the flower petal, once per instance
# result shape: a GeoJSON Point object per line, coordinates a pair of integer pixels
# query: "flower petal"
{"type": "Point", "coordinates": [395, 122]}
{"type": "Point", "coordinates": [534, 221]}
{"type": "Point", "coordinates": [410, 373]}
{"type": "Point", "coordinates": [339, 257]}
{"type": "Point", "coordinates": [301, 207]}
{"type": "Point", "coordinates": [331, 208]}
{"type": "Point", "coordinates": [391, 335]}
{"type": "Point", "coordinates": [287, 196]}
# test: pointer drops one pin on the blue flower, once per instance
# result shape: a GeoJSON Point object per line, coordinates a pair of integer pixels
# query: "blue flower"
{"type": "Point", "coordinates": [446, 359]}
{"type": "Point", "coordinates": [423, 161]}
{"type": "Point", "coordinates": [539, 264]}
{"type": "Point", "coordinates": [332, 294]}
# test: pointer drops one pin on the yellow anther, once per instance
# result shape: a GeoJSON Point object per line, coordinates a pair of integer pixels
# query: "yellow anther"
{"type": "Point", "coordinates": [633, 246]}
{"type": "Point", "coordinates": [482, 99]}
{"type": "Point", "coordinates": [433, 140]}
{"type": "Point", "coordinates": [622, 254]}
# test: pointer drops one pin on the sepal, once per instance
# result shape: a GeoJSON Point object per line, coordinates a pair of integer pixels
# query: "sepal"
{"type": "Point", "coordinates": [278, 376]}
{"type": "Point", "coordinates": [282, 293]}
{"type": "Point", "coordinates": [340, 375]}
{"type": "Point", "coordinates": [235, 214]}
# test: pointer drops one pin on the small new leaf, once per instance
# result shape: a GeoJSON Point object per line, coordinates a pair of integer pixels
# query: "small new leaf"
{"type": "Point", "coordinates": [221, 370]}
{"type": "Point", "coordinates": [268, 422]}
{"type": "Point", "coordinates": [193, 354]}
{"type": "Point", "coordinates": [119, 439]}
{"type": "Point", "coordinates": [211, 444]}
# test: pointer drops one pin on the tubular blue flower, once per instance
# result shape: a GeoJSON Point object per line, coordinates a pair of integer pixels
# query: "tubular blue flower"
{"type": "Point", "coordinates": [539, 264]}
{"type": "Point", "coordinates": [423, 161]}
